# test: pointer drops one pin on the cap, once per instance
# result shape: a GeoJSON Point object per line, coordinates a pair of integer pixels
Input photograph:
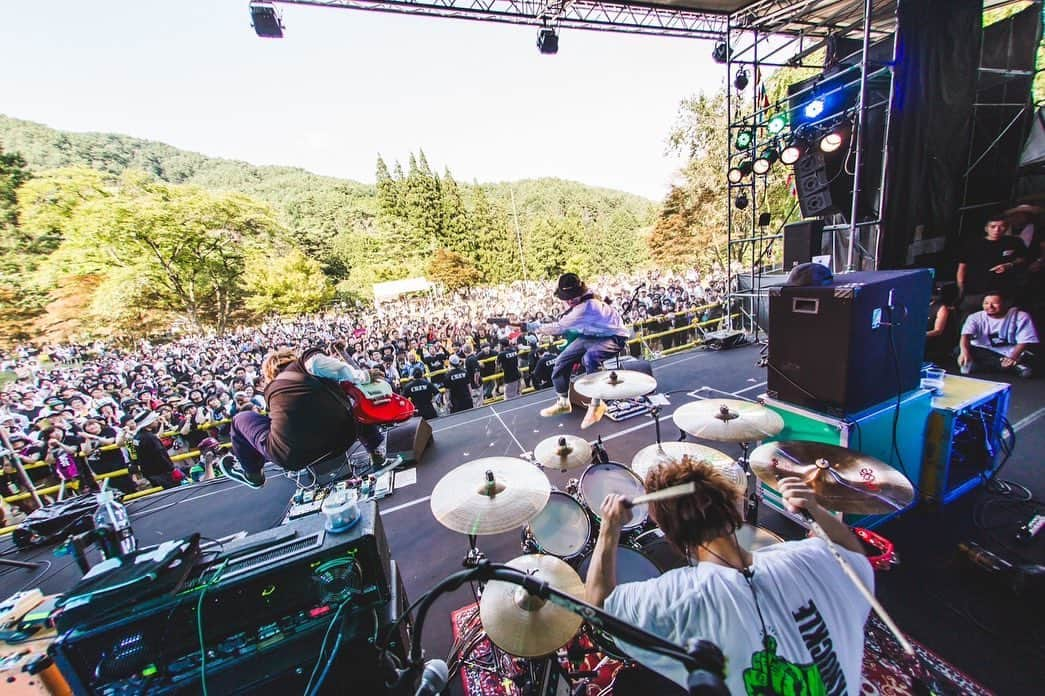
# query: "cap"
{"type": "Point", "coordinates": [809, 274]}
{"type": "Point", "coordinates": [455, 360]}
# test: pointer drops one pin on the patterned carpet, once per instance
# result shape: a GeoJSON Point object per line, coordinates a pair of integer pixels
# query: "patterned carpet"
{"type": "Point", "coordinates": [885, 671]}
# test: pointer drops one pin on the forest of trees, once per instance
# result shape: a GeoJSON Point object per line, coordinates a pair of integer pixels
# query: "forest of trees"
{"type": "Point", "coordinates": [115, 236]}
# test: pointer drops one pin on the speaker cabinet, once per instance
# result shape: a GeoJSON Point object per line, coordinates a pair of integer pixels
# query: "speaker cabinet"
{"type": "Point", "coordinates": [802, 241]}
{"type": "Point", "coordinates": [409, 440]}
{"type": "Point", "coordinates": [813, 186]}
{"type": "Point", "coordinates": [835, 348]}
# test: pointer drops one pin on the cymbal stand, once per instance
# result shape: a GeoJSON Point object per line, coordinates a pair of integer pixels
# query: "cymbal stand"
{"type": "Point", "coordinates": [754, 490]}
{"type": "Point", "coordinates": [473, 559]}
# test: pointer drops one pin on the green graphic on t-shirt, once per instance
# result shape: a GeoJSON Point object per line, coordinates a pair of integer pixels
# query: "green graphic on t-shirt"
{"type": "Point", "coordinates": [771, 674]}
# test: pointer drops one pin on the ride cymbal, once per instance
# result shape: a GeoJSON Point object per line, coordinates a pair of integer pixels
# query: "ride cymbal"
{"type": "Point", "coordinates": [842, 479]}
{"type": "Point", "coordinates": [615, 384]}
{"type": "Point", "coordinates": [653, 455]}
{"type": "Point", "coordinates": [490, 495]}
{"type": "Point", "coordinates": [728, 420]}
{"type": "Point", "coordinates": [522, 624]}
{"type": "Point", "coordinates": [563, 452]}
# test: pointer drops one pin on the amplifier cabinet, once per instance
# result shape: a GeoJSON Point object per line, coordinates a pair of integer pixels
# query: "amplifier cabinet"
{"type": "Point", "coordinates": [831, 348]}
{"type": "Point", "coordinates": [963, 443]}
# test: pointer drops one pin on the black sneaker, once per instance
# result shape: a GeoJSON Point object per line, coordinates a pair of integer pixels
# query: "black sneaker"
{"type": "Point", "coordinates": [229, 466]}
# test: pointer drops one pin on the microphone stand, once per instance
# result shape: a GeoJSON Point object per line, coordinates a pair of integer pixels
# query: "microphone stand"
{"type": "Point", "coordinates": [702, 659]}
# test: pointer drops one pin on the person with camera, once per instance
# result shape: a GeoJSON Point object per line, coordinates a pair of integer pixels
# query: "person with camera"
{"type": "Point", "coordinates": [96, 436]}
{"type": "Point", "coordinates": [594, 332]}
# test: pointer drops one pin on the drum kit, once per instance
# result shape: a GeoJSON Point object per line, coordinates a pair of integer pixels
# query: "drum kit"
{"type": "Point", "coordinates": [497, 494]}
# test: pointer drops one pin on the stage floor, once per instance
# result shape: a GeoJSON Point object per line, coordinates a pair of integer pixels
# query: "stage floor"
{"type": "Point", "coordinates": [977, 625]}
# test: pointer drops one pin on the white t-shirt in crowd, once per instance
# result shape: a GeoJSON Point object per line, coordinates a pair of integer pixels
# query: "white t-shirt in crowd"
{"type": "Point", "coordinates": [810, 607]}
{"type": "Point", "coordinates": [1000, 334]}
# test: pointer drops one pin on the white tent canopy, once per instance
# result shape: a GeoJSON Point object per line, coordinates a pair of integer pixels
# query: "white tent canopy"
{"type": "Point", "coordinates": [394, 288]}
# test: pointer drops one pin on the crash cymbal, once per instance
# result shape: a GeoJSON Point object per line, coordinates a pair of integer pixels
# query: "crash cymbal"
{"type": "Point", "coordinates": [648, 457]}
{"type": "Point", "coordinates": [728, 420]}
{"type": "Point", "coordinates": [615, 384]}
{"type": "Point", "coordinates": [842, 479]}
{"type": "Point", "coordinates": [490, 495]}
{"type": "Point", "coordinates": [563, 452]}
{"type": "Point", "coordinates": [524, 625]}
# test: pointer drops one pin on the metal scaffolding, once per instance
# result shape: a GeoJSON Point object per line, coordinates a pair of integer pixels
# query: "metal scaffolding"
{"type": "Point", "coordinates": [778, 34]}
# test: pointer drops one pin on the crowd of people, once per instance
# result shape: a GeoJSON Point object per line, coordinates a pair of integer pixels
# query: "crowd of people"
{"type": "Point", "coordinates": [985, 322]}
{"type": "Point", "coordinates": [94, 408]}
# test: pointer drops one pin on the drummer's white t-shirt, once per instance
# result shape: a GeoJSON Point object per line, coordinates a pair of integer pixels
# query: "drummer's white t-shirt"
{"type": "Point", "coordinates": [809, 605]}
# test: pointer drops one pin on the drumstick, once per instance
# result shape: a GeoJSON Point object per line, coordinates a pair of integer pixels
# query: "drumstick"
{"type": "Point", "coordinates": [672, 492]}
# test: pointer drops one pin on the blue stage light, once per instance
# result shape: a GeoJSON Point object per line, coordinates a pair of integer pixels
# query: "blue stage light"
{"type": "Point", "coordinates": [814, 108]}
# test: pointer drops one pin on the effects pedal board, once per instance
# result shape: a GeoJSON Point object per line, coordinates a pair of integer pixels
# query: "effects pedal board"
{"type": "Point", "coordinates": [310, 501]}
{"type": "Point", "coordinates": [623, 409]}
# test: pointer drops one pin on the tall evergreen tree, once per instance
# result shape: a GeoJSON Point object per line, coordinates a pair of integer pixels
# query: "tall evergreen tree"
{"type": "Point", "coordinates": [455, 229]}
{"type": "Point", "coordinates": [387, 198]}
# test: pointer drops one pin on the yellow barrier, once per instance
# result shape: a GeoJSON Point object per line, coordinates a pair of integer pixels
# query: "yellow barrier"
{"type": "Point", "coordinates": [142, 494]}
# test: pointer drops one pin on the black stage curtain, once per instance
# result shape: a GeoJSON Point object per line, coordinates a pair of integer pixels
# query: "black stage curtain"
{"type": "Point", "coordinates": [935, 85]}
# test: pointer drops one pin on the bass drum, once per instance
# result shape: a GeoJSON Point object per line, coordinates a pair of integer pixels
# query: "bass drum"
{"type": "Point", "coordinates": [561, 529]}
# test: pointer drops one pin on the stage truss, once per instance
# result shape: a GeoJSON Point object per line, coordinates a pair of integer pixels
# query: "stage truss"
{"type": "Point", "coordinates": [775, 34]}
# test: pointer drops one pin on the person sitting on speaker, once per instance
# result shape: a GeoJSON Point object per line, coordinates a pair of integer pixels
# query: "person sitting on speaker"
{"type": "Point", "coordinates": [307, 418]}
{"type": "Point", "coordinates": [997, 338]}
{"type": "Point", "coordinates": [787, 613]}
{"type": "Point", "coordinates": [594, 332]}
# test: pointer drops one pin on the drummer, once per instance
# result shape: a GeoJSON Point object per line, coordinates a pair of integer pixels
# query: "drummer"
{"type": "Point", "coordinates": [786, 614]}
{"type": "Point", "coordinates": [594, 332]}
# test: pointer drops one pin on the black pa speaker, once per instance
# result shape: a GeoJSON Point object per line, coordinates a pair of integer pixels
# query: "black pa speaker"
{"type": "Point", "coordinates": [835, 348]}
{"type": "Point", "coordinates": [409, 440]}
{"type": "Point", "coordinates": [802, 241]}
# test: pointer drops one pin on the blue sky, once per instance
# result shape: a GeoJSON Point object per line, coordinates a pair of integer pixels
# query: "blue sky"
{"type": "Point", "coordinates": [346, 85]}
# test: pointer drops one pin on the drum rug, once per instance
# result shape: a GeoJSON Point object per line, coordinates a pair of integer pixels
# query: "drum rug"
{"type": "Point", "coordinates": [885, 671]}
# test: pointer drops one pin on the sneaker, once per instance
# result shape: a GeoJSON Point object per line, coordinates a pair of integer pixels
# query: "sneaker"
{"type": "Point", "coordinates": [1024, 371]}
{"type": "Point", "coordinates": [558, 408]}
{"type": "Point", "coordinates": [235, 471]}
{"type": "Point", "coordinates": [596, 410]}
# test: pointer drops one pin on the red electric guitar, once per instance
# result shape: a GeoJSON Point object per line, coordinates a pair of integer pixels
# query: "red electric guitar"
{"type": "Point", "coordinates": [374, 403]}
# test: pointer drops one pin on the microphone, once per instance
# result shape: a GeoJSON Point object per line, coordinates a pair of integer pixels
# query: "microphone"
{"type": "Point", "coordinates": [433, 678]}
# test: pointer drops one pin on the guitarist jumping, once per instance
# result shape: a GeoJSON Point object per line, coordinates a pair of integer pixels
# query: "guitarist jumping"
{"type": "Point", "coordinates": [307, 417]}
{"type": "Point", "coordinates": [594, 332]}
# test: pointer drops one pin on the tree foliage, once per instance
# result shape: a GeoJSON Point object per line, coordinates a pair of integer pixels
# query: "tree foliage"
{"type": "Point", "coordinates": [287, 283]}
{"type": "Point", "coordinates": [453, 270]}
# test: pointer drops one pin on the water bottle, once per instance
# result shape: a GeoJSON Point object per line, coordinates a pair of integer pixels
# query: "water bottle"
{"type": "Point", "coordinates": [114, 526]}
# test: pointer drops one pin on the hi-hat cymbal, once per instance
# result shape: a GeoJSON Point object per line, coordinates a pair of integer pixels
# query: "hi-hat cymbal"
{"type": "Point", "coordinates": [490, 495]}
{"type": "Point", "coordinates": [615, 384]}
{"type": "Point", "coordinates": [524, 625]}
{"type": "Point", "coordinates": [728, 420]}
{"type": "Point", "coordinates": [653, 455]}
{"type": "Point", "coordinates": [842, 479]}
{"type": "Point", "coordinates": [563, 452]}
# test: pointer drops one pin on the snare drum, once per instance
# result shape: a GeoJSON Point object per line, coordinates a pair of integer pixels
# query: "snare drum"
{"type": "Point", "coordinates": [561, 529]}
{"type": "Point", "coordinates": [599, 480]}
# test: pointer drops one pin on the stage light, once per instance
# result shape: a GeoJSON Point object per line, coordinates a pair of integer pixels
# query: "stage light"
{"type": "Point", "coordinates": [832, 141]}
{"type": "Point", "coordinates": [763, 219]}
{"type": "Point", "coordinates": [266, 20]}
{"type": "Point", "coordinates": [765, 161]}
{"type": "Point", "coordinates": [814, 108]}
{"type": "Point", "coordinates": [547, 41]}
{"type": "Point", "coordinates": [746, 166]}
{"type": "Point", "coordinates": [744, 138]}
{"type": "Point", "coordinates": [794, 151]}
{"type": "Point", "coordinates": [721, 53]}
{"type": "Point", "coordinates": [741, 201]}
{"type": "Point", "coordinates": [734, 175]}
{"type": "Point", "coordinates": [777, 123]}
{"type": "Point", "coordinates": [741, 80]}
